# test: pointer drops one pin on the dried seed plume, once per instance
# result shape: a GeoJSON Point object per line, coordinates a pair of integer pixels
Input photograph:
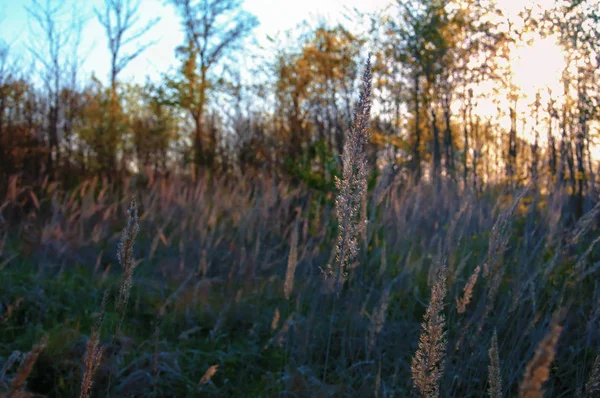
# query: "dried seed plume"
{"type": "Point", "coordinates": [428, 363]}
{"type": "Point", "coordinates": [495, 378]}
{"type": "Point", "coordinates": [352, 186]}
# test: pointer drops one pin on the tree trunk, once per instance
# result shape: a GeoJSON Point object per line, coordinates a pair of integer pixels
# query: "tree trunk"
{"type": "Point", "coordinates": [512, 146]}
{"type": "Point", "coordinates": [416, 158]}
{"type": "Point", "coordinates": [448, 144]}
{"type": "Point", "coordinates": [198, 148]}
{"type": "Point", "coordinates": [436, 146]}
{"type": "Point", "coordinates": [466, 146]}
{"type": "Point", "coordinates": [552, 151]}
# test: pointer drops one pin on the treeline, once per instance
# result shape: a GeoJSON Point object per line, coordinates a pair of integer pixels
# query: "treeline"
{"type": "Point", "coordinates": [431, 58]}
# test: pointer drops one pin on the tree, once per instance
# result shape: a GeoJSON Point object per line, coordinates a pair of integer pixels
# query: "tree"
{"type": "Point", "coordinates": [7, 72]}
{"type": "Point", "coordinates": [577, 26]}
{"type": "Point", "coordinates": [436, 42]}
{"type": "Point", "coordinates": [49, 45]}
{"type": "Point", "coordinates": [313, 86]}
{"type": "Point", "coordinates": [153, 124]}
{"type": "Point", "coordinates": [213, 29]}
{"type": "Point", "coordinates": [120, 19]}
{"type": "Point", "coordinates": [408, 44]}
{"type": "Point", "coordinates": [22, 148]}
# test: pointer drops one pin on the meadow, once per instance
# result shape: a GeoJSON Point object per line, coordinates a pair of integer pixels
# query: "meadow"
{"type": "Point", "coordinates": [243, 224]}
{"type": "Point", "coordinates": [226, 290]}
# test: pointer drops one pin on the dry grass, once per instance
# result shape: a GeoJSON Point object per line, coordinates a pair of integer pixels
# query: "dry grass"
{"type": "Point", "coordinates": [427, 366]}
{"type": "Point", "coordinates": [214, 254]}
{"type": "Point", "coordinates": [461, 303]}
{"type": "Point", "coordinates": [20, 378]}
{"type": "Point", "coordinates": [210, 372]}
{"type": "Point", "coordinates": [592, 387]}
{"type": "Point", "coordinates": [378, 318]}
{"type": "Point", "coordinates": [537, 371]}
{"type": "Point", "coordinates": [125, 255]}
{"type": "Point", "coordinates": [495, 377]}
{"type": "Point", "coordinates": [292, 262]}
{"type": "Point", "coordinates": [352, 186]}
{"type": "Point", "coordinates": [93, 352]}
{"type": "Point", "coordinates": [214, 303]}
{"type": "Point", "coordinates": [91, 361]}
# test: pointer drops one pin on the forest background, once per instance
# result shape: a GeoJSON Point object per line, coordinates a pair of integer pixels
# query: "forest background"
{"type": "Point", "coordinates": [230, 131]}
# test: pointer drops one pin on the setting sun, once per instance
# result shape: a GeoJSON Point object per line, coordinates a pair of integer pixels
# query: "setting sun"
{"type": "Point", "coordinates": [314, 198]}
{"type": "Point", "coordinates": [538, 67]}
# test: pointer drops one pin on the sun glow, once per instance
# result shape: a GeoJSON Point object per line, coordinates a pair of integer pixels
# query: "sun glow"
{"type": "Point", "coordinates": [535, 71]}
{"type": "Point", "coordinates": [537, 68]}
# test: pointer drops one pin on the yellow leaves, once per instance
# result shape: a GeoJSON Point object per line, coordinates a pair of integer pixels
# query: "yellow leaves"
{"type": "Point", "coordinates": [208, 375]}
{"type": "Point", "coordinates": [324, 60]}
{"type": "Point", "coordinates": [302, 67]}
{"type": "Point", "coordinates": [381, 139]}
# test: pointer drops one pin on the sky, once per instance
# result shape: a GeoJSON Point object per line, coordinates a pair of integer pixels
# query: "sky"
{"type": "Point", "coordinates": [535, 66]}
{"type": "Point", "coordinates": [274, 16]}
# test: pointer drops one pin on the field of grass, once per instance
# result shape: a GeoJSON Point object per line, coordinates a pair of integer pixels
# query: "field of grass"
{"type": "Point", "coordinates": [209, 290]}
{"type": "Point", "coordinates": [221, 228]}
{"type": "Point", "coordinates": [251, 286]}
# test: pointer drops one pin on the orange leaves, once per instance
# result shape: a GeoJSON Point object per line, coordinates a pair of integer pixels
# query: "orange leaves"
{"type": "Point", "coordinates": [210, 372]}
{"type": "Point", "coordinates": [379, 139]}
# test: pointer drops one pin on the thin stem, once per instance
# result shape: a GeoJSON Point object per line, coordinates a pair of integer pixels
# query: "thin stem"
{"type": "Point", "coordinates": [335, 298]}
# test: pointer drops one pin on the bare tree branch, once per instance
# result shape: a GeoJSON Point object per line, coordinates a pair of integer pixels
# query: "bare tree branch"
{"type": "Point", "coordinates": [119, 19]}
{"type": "Point", "coordinates": [212, 28]}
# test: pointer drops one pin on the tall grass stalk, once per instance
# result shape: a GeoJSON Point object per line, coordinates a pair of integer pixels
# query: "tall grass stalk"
{"type": "Point", "coordinates": [292, 261]}
{"type": "Point", "coordinates": [19, 380]}
{"type": "Point", "coordinates": [93, 352]}
{"type": "Point", "coordinates": [351, 189]}
{"type": "Point", "coordinates": [462, 303]}
{"type": "Point", "coordinates": [427, 365]}
{"type": "Point", "coordinates": [494, 376]}
{"type": "Point", "coordinates": [125, 256]}
{"type": "Point", "coordinates": [538, 368]}
{"type": "Point", "coordinates": [378, 317]}
{"type": "Point", "coordinates": [592, 387]}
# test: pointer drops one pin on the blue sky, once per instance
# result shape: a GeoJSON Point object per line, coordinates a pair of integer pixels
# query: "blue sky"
{"type": "Point", "coordinates": [274, 16]}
